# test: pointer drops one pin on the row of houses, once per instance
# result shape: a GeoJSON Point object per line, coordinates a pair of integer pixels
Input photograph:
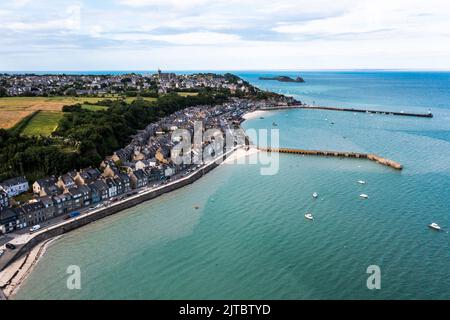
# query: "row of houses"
{"type": "Point", "coordinates": [56, 197]}
{"type": "Point", "coordinates": [76, 190]}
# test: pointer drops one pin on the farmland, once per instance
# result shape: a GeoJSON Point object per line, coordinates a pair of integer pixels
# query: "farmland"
{"type": "Point", "coordinates": [131, 99]}
{"type": "Point", "coordinates": [42, 123]}
{"type": "Point", "coordinates": [93, 107]}
{"type": "Point", "coordinates": [13, 109]}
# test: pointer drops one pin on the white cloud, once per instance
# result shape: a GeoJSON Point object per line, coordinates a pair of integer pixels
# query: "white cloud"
{"type": "Point", "coordinates": [226, 33]}
{"type": "Point", "coordinates": [173, 3]}
{"type": "Point", "coordinates": [192, 38]}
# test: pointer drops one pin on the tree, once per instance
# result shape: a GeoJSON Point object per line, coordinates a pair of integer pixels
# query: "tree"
{"type": "Point", "coordinates": [3, 92]}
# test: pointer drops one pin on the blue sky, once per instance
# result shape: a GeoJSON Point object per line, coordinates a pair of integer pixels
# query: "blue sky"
{"type": "Point", "coordinates": [224, 34]}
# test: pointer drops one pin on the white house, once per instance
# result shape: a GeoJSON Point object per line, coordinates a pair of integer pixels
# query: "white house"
{"type": "Point", "coordinates": [15, 186]}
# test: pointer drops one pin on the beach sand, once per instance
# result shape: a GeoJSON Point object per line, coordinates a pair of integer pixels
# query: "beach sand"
{"type": "Point", "coordinates": [12, 277]}
{"type": "Point", "coordinates": [237, 157]}
{"type": "Point", "coordinates": [255, 114]}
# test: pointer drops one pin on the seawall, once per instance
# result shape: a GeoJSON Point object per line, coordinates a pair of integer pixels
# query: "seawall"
{"type": "Point", "coordinates": [344, 154]}
{"type": "Point", "coordinates": [104, 212]}
{"type": "Point", "coordinates": [394, 113]}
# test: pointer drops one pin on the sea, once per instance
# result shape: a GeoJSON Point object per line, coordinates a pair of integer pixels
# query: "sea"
{"type": "Point", "coordinates": [249, 239]}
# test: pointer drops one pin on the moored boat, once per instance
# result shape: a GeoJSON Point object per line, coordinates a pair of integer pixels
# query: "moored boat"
{"type": "Point", "coordinates": [309, 216]}
{"type": "Point", "coordinates": [435, 226]}
{"type": "Point", "coordinates": [364, 196]}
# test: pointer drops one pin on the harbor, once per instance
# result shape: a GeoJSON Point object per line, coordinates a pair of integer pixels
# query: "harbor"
{"type": "Point", "coordinates": [343, 154]}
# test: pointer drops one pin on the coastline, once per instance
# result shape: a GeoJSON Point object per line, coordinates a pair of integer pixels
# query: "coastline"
{"type": "Point", "coordinates": [254, 114]}
{"type": "Point", "coordinates": [15, 274]}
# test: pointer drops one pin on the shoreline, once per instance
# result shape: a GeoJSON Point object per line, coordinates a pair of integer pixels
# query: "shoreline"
{"type": "Point", "coordinates": [17, 271]}
{"type": "Point", "coordinates": [254, 114]}
{"type": "Point", "coordinates": [17, 276]}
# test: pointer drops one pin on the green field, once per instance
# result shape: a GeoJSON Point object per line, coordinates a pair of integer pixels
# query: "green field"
{"type": "Point", "coordinates": [43, 123]}
{"type": "Point", "coordinates": [131, 99]}
{"type": "Point", "coordinates": [186, 94]}
{"type": "Point", "coordinates": [14, 109]}
{"type": "Point", "coordinates": [92, 107]}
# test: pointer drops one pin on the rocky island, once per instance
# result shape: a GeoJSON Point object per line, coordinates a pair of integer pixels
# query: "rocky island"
{"type": "Point", "coordinates": [283, 79]}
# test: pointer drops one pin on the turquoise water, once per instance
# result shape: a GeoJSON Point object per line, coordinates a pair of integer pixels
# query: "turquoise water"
{"type": "Point", "coordinates": [249, 239]}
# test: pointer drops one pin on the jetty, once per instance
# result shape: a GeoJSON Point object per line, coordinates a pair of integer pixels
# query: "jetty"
{"type": "Point", "coordinates": [341, 154]}
{"type": "Point", "coordinates": [394, 113]}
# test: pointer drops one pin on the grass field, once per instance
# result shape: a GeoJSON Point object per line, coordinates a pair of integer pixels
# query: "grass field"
{"type": "Point", "coordinates": [186, 94]}
{"type": "Point", "coordinates": [131, 99]}
{"type": "Point", "coordinates": [92, 107]}
{"type": "Point", "coordinates": [13, 109]}
{"type": "Point", "coordinates": [43, 123]}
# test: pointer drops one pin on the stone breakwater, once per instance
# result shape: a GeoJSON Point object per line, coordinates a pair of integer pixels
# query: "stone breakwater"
{"type": "Point", "coordinates": [372, 157]}
{"type": "Point", "coordinates": [392, 113]}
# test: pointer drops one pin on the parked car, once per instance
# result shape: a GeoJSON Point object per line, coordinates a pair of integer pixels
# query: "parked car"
{"type": "Point", "coordinates": [10, 246]}
{"type": "Point", "coordinates": [35, 228]}
{"type": "Point", "coordinates": [2, 252]}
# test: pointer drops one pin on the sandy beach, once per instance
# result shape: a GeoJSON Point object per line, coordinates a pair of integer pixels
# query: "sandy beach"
{"type": "Point", "coordinates": [255, 114]}
{"type": "Point", "coordinates": [237, 157]}
{"type": "Point", "coordinates": [13, 276]}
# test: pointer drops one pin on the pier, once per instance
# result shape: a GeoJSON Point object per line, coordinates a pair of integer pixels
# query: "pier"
{"type": "Point", "coordinates": [394, 113]}
{"type": "Point", "coordinates": [341, 154]}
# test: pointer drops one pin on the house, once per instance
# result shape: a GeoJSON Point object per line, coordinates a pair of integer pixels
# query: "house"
{"type": "Point", "coordinates": [33, 212]}
{"type": "Point", "coordinates": [86, 192]}
{"type": "Point", "coordinates": [153, 175]}
{"type": "Point", "coordinates": [119, 185]}
{"type": "Point", "coordinates": [10, 220]}
{"type": "Point", "coordinates": [86, 176]}
{"type": "Point", "coordinates": [46, 186]}
{"type": "Point", "coordinates": [126, 181]}
{"type": "Point", "coordinates": [63, 204]}
{"type": "Point", "coordinates": [49, 207]}
{"type": "Point", "coordinates": [77, 197]}
{"type": "Point", "coordinates": [100, 190]}
{"type": "Point", "coordinates": [122, 155]}
{"type": "Point", "coordinates": [143, 164]}
{"type": "Point", "coordinates": [107, 162]}
{"type": "Point", "coordinates": [96, 196]}
{"type": "Point", "coordinates": [110, 171]}
{"type": "Point", "coordinates": [66, 182]}
{"type": "Point", "coordinates": [15, 186]}
{"type": "Point", "coordinates": [138, 179]}
{"type": "Point", "coordinates": [112, 187]}
{"type": "Point", "coordinates": [4, 200]}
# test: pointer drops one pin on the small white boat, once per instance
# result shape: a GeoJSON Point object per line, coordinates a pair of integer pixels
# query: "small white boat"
{"type": "Point", "coordinates": [435, 226]}
{"type": "Point", "coordinates": [364, 196]}
{"type": "Point", "coordinates": [361, 182]}
{"type": "Point", "coordinates": [309, 216]}
{"type": "Point", "coordinates": [315, 195]}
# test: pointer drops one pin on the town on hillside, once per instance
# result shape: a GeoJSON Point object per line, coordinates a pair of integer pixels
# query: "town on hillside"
{"type": "Point", "coordinates": [106, 85]}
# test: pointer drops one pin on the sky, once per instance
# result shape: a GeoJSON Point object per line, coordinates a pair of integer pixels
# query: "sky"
{"type": "Point", "coordinates": [46, 35]}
